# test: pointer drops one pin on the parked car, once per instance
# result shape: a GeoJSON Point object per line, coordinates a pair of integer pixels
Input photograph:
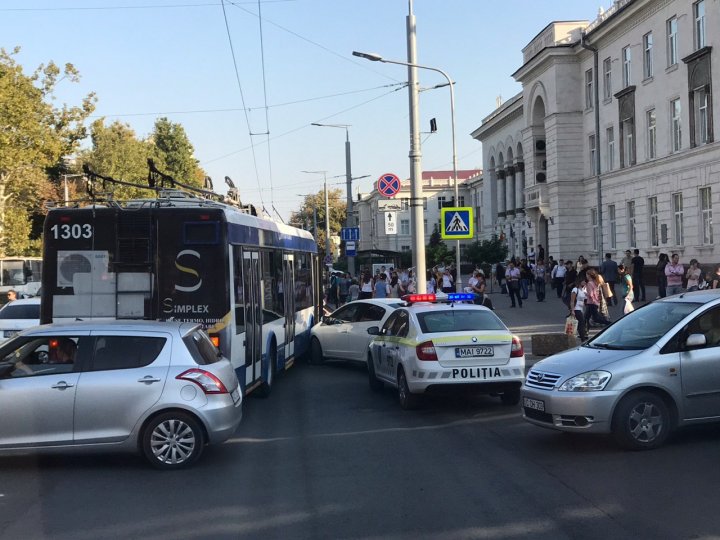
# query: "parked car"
{"type": "Point", "coordinates": [19, 315]}
{"type": "Point", "coordinates": [158, 387]}
{"type": "Point", "coordinates": [437, 342]}
{"type": "Point", "coordinates": [655, 369]}
{"type": "Point", "coordinates": [343, 335]}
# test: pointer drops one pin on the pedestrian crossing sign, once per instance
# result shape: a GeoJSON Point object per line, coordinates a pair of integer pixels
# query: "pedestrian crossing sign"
{"type": "Point", "coordinates": [457, 223]}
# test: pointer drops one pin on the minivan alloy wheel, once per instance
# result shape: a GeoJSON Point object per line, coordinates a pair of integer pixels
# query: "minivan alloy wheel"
{"type": "Point", "coordinates": [642, 421]}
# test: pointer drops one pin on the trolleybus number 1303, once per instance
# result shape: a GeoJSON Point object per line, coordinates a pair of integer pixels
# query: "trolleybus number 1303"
{"type": "Point", "coordinates": [75, 231]}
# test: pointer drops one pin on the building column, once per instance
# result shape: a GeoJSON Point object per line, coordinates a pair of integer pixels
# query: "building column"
{"type": "Point", "coordinates": [510, 190]}
{"type": "Point", "coordinates": [501, 193]}
{"type": "Point", "coordinates": [520, 187]}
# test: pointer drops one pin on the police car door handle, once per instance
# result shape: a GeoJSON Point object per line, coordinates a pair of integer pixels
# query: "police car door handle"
{"type": "Point", "coordinates": [62, 385]}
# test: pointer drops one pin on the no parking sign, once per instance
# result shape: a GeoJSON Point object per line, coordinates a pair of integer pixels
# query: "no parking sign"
{"type": "Point", "coordinates": [388, 185]}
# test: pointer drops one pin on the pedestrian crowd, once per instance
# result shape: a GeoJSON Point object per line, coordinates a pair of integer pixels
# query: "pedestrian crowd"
{"type": "Point", "coordinates": [587, 292]}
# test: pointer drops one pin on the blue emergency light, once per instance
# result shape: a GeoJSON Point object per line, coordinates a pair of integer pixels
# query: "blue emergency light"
{"type": "Point", "coordinates": [460, 297]}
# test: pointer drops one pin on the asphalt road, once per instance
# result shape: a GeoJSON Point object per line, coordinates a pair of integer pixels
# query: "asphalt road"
{"type": "Point", "coordinates": [324, 457]}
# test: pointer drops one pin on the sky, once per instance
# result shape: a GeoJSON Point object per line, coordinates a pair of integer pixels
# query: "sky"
{"type": "Point", "coordinates": [247, 80]}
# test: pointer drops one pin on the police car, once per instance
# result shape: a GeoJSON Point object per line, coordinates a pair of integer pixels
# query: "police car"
{"type": "Point", "coordinates": [437, 341]}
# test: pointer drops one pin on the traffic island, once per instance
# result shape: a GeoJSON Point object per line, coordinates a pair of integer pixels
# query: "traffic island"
{"type": "Point", "coordinates": [552, 343]}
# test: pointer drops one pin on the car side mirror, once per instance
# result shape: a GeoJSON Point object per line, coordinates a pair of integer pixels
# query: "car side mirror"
{"type": "Point", "coordinates": [374, 330]}
{"type": "Point", "coordinates": [327, 319]}
{"type": "Point", "coordinates": [695, 340]}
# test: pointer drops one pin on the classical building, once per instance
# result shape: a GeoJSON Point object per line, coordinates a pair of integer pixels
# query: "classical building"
{"type": "Point", "coordinates": [438, 189]}
{"type": "Point", "coordinates": [610, 145]}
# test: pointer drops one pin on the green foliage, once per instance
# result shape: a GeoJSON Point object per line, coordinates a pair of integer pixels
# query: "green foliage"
{"type": "Point", "coordinates": [175, 153]}
{"type": "Point", "coordinates": [487, 251]}
{"type": "Point", "coordinates": [118, 153]}
{"type": "Point", "coordinates": [303, 218]}
{"type": "Point", "coordinates": [437, 252]}
{"type": "Point", "coordinates": [34, 137]}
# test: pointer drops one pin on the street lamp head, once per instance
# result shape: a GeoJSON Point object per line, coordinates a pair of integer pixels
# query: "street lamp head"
{"type": "Point", "coordinates": [368, 56]}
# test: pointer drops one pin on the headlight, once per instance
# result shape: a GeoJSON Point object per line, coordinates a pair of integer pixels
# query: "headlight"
{"type": "Point", "coordinates": [592, 381]}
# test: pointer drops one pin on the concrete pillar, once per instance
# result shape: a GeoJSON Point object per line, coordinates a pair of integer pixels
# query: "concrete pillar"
{"type": "Point", "coordinates": [510, 190]}
{"type": "Point", "coordinates": [501, 193]}
{"type": "Point", "coordinates": [520, 187]}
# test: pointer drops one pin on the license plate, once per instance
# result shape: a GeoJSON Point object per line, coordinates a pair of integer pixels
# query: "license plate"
{"type": "Point", "coordinates": [536, 404]}
{"type": "Point", "coordinates": [235, 395]}
{"type": "Point", "coordinates": [473, 352]}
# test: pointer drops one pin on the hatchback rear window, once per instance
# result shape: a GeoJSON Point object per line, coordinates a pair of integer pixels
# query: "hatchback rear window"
{"type": "Point", "coordinates": [201, 348]}
{"type": "Point", "coordinates": [24, 311]}
{"type": "Point", "coordinates": [458, 320]}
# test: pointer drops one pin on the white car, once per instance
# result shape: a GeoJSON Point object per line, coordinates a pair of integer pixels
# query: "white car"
{"type": "Point", "coordinates": [19, 315]}
{"type": "Point", "coordinates": [343, 334]}
{"type": "Point", "coordinates": [436, 342]}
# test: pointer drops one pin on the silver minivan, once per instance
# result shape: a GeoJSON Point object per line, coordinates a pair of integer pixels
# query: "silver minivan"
{"type": "Point", "coordinates": [655, 369]}
{"type": "Point", "coordinates": [159, 388]}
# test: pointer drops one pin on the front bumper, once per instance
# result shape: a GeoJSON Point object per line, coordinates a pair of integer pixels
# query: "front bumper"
{"type": "Point", "coordinates": [589, 412]}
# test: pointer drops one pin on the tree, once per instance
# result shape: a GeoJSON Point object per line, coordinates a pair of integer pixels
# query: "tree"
{"type": "Point", "coordinates": [175, 153]}
{"type": "Point", "coordinates": [34, 136]}
{"type": "Point", "coordinates": [118, 153]}
{"type": "Point", "coordinates": [487, 251]}
{"type": "Point", "coordinates": [437, 252]}
{"type": "Point", "coordinates": [304, 219]}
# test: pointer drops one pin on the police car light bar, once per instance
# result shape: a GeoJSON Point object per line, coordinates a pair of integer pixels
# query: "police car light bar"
{"type": "Point", "coordinates": [460, 297]}
{"type": "Point", "coordinates": [411, 298]}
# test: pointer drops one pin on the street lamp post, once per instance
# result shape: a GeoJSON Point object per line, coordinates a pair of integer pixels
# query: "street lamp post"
{"type": "Point", "coordinates": [65, 184]}
{"type": "Point", "coordinates": [349, 218]}
{"type": "Point", "coordinates": [451, 84]}
{"type": "Point", "coordinates": [327, 211]}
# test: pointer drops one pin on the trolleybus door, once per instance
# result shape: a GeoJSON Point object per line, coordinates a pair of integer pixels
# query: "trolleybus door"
{"type": "Point", "coordinates": [253, 316]}
{"type": "Point", "coordinates": [289, 288]}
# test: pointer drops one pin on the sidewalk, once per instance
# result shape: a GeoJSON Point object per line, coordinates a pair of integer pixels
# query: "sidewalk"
{"type": "Point", "coordinates": [546, 317]}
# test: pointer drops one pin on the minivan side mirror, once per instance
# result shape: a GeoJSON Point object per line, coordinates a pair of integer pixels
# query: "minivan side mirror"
{"type": "Point", "coordinates": [374, 330]}
{"type": "Point", "coordinates": [695, 340]}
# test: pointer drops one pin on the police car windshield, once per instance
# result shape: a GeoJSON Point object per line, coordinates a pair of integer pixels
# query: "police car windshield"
{"type": "Point", "coordinates": [458, 320]}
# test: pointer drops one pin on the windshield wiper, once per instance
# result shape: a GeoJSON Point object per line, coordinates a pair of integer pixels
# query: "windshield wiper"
{"type": "Point", "coordinates": [605, 346]}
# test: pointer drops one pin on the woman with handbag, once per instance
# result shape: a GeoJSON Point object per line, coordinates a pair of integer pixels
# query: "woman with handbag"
{"type": "Point", "coordinates": [577, 307]}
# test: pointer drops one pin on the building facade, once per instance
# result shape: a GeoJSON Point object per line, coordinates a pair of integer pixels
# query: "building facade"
{"type": "Point", "coordinates": [372, 210]}
{"type": "Point", "coordinates": [612, 137]}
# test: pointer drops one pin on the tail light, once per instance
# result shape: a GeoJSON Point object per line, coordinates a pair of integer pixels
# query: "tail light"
{"type": "Point", "coordinates": [209, 383]}
{"type": "Point", "coordinates": [426, 351]}
{"type": "Point", "coordinates": [516, 349]}
{"type": "Point", "coordinates": [215, 340]}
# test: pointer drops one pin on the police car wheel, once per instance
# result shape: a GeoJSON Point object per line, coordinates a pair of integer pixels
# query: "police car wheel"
{"type": "Point", "coordinates": [408, 401]}
{"type": "Point", "coordinates": [316, 352]}
{"type": "Point", "coordinates": [375, 384]}
{"type": "Point", "coordinates": [510, 397]}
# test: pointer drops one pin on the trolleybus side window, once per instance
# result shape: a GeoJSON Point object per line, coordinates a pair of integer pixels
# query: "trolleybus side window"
{"type": "Point", "coordinates": [303, 281]}
{"type": "Point", "coordinates": [238, 289]}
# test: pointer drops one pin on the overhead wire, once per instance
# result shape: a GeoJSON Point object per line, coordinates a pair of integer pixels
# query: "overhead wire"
{"type": "Point", "coordinates": [265, 101]}
{"type": "Point", "coordinates": [344, 57]}
{"type": "Point", "coordinates": [250, 109]}
{"type": "Point", "coordinates": [151, 6]}
{"type": "Point", "coordinates": [242, 97]}
{"type": "Point", "coordinates": [304, 126]}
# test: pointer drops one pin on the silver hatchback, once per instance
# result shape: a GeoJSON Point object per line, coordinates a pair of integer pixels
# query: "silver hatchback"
{"type": "Point", "coordinates": [655, 369]}
{"type": "Point", "coordinates": [160, 388]}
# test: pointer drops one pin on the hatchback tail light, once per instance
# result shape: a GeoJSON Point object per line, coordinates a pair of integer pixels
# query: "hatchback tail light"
{"type": "Point", "coordinates": [209, 383]}
{"type": "Point", "coordinates": [516, 349]}
{"type": "Point", "coordinates": [426, 351]}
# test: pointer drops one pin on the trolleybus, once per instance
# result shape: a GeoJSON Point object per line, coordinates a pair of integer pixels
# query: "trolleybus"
{"type": "Point", "coordinates": [249, 280]}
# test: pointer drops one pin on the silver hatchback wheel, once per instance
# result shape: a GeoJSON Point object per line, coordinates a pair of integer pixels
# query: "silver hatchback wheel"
{"type": "Point", "coordinates": [173, 441]}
